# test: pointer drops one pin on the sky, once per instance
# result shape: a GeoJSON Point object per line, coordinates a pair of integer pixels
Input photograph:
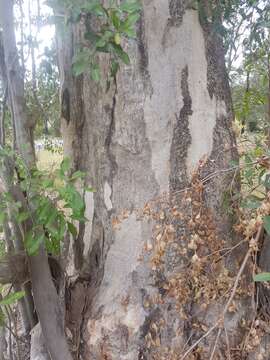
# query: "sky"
{"type": "Point", "coordinates": [44, 35]}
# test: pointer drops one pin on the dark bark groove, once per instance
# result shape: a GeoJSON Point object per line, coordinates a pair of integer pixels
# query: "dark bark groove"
{"type": "Point", "coordinates": [181, 139]}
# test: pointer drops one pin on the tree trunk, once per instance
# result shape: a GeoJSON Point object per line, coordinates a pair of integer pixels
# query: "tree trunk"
{"type": "Point", "coordinates": [150, 276]}
{"type": "Point", "coordinates": [268, 102]}
{"type": "Point", "coordinates": [46, 299]}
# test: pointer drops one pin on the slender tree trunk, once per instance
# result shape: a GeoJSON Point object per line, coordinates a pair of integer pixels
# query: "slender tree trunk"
{"type": "Point", "coordinates": [268, 101]}
{"type": "Point", "coordinates": [3, 78]}
{"type": "Point", "coordinates": [44, 292]}
{"type": "Point", "coordinates": [15, 83]}
{"type": "Point", "coordinates": [26, 305]}
{"type": "Point", "coordinates": [22, 38]}
{"type": "Point", "coordinates": [154, 147]}
{"type": "Point", "coordinates": [244, 123]}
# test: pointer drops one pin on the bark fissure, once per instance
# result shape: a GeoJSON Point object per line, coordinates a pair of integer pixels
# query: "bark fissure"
{"type": "Point", "coordinates": [65, 105]}
{"type": "Point", "coordinates": [181, 138]}
{"type": "Point", "coordinates": [143, 50]}
{"type": "Point", "coordinates": [78, 247]}
{"type": "Point", "coordinates": [177, 10]}
{"type": "Point", "coordinates": [217, 78]}
{"type": "Point", "coordinates": [109, 137]}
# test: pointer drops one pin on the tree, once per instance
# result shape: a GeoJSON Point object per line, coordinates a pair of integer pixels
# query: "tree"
{"type": "Point", "coordinates": [155, 146]}
{"type": "Point", "coordinates": [248, 27]}
{"type": "Point", "coordinates": [49, 312]}
{"type": "Point", "coordinates": [158, 271]}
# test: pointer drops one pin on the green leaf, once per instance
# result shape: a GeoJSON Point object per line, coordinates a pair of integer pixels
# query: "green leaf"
{"type": "Point", "coordinates": [81, 62]}
{"type": "Point", "coordinates": [77, 175]}
{"type": "Point", "coordinates": [266, 182]}
{"type": "Point", "coordinates": [89, 189]}
{"type": "Point", "coordinates": [130, 32]}
{"type": "Point", "coordinates": [101, 43]}
{"type": "Point", "coordinates": [32, 243]}
{"type": "Point", "coordinates": [115, 19]}
{"type": "Point", "coordinates": [47, 183]}
{"type": "Point", "coordinates": [114, 68]}
{"type": "Point", "coordinates": [12, 298]}
{"type": "Point", "coordinates": [132, 19]}
{"type": "Point", "coordinates": [95, 73]}
{"type": "Point", "coordinates": [130, 6]}
{"type": "Point", "coordinates": [72, 229]}
{"type": "Point", "coordinates": [21, 217]}
{"type": "Point", "coordinates": [251, 203]}
{"type": "Point", "coordinates": [266, 224]}
{"type": "Point", "coordinates": [91, 36]}
{"type": "Point", "coordinates": [79, 67]}
{"type": "Point", "coordinates": [65, 165]}
{"type": "Point", "coordinates": [96, 8]}
{"type": "Point", "coordinates": [2, 318]}
{"type": "Point", "coordinates": [117, 39]}
{"type": "Point", "coordinates": [262, 277]}
{"type": "Point", "coordinates": [2, 217]}
{"type": "Point", "coordinates": [117, 49]}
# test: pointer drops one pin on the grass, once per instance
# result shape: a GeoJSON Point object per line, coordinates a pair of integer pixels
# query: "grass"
{"type": "Point", "coordinates": [48, 160]}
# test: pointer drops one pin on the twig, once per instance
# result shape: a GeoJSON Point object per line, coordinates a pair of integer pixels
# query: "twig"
{"type": "Point", "coordinates": [228, 343]}
{"type": "Point", "coordinates": [215, 345]}
{"type": "Point", "coordinates": [188, 340]}
{"type": "Point", "coordinates": [10, 334]}
{"type": "Point", "coordinates": [234, 289]}
{"type": "Point", "coordinates": [255, 309]}
{"type": "Point", "coordinates": [227, 250]}
{"type": "Point", "coordinates": [14, 335]}
{"type": "Point", "coordinates": [17, 337]}
{"type": "Point", "coordinates": [198, 341]}
{"type": "Point", "coordinates": [207, 178]}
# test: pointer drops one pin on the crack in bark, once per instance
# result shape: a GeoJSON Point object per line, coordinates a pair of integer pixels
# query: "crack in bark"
{"type": "Point", "coordinates": [78, 247]}
{"type": "Point", "coordinates": [181, 139]}
{"type": "Point", "coordinates": [143, 50]}
{"type": "Point", "coordinates": [77, 305]}
{"type": "Point", "coordinates": [108, 140]}
{"type": "Point", "coordinates": [65, 106]}
{"type": "Point", "coordinates": [217, 78]}
{"type": "Point", "coordinates": [177, 10]}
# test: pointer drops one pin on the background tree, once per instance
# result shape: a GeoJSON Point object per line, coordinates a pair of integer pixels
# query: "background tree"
{"type": "Point", "coordinates": [49, 312]}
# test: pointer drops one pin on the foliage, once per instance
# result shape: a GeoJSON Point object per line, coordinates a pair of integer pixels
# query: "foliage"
{"type": "Point", "coordinates": [106, 29]}
{"type": "Point", "coordinates": [12, 298]}
{"type": "Point", "coordinates": [262, 277]}
{"type": "Point", "coordinates": [247, 36]}
{"type": "Point", "coordinates": [254, 196]}
{"type": "Point", "coordinates": [56, 204]}
{"type": "Point", "coordinates": [43, 104]}
{"type": "Point", "coordinates": [248, 26]}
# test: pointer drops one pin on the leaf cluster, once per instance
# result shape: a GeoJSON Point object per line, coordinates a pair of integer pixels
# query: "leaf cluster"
{"type": "Point", "coordinates": [106, 29]}
{"type": "Point", "coordinates": [53, 205]}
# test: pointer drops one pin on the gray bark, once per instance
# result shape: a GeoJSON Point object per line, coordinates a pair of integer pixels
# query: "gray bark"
{"type": "Point", "coordinates": [16, 84]}
{"type": "Point", "coordinates": [14, 269]}
{"type": "Point", "coordinates": [3, 344]}
{"type": "Point", "coordinates": [164, 124]}
{"type": "Point", "coordinates": [38, 346]}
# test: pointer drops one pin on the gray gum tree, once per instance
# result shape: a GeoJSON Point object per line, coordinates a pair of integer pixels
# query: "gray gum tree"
{"type": "Point", "coordinates": [165, 124]}
{"type": "Point", "coordinates": [146, 279]}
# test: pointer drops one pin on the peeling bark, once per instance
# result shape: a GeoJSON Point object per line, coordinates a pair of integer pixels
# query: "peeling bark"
{"type": "Point", "coordinates": [164, 125]}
